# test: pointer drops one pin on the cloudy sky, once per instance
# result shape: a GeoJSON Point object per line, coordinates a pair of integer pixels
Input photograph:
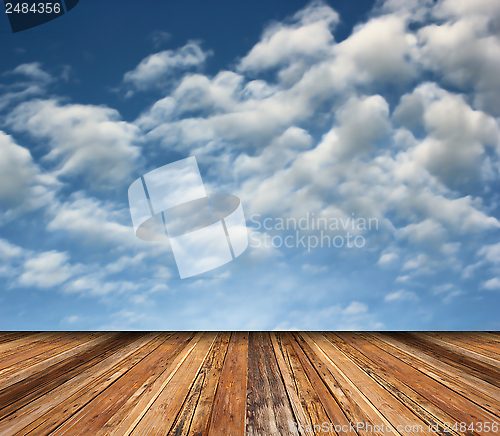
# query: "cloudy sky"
{"type": "Point", "coordinates": [345, 111]}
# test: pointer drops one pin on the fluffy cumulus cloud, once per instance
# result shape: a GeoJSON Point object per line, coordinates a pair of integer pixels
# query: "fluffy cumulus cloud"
{"type": "Point", "coordinates": [46, 270]}
{"type": "Point", "coordinates": [156, 68]}
{"type": "Point", "coordinates": [88, 141]}
{"type": "Point", "coordinates": [398, 122]}
{"type": "Point", "coordinates": [32, 71]}
{"type": "Point", "coordinates": [23, 186]}
{"type": "Point", "coordinates": [308, 37]}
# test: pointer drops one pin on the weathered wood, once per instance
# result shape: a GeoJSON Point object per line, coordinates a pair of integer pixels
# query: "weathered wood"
{"type": "Point", "coordinates": [459, 361]}
{"type": "Point", "coordinates": [308, 396]}
{"type": "Point", "coordinates": [48, 412]}
{"type": "Point", "coordinates": [209, 383]}
{"type": "Point", "coordinates": [458, 407]}
{"type": "Point", "coordinates": [300, 417]}
{"type": "Point", "coordinates": [195, 414]}
{"type": "Point", "coordinates": [20, 395]}
{"type": "Point", "coordinates": [161, 415]}
{"type": "Point", "coordinates": [396, 413]}
{"type": "Point", "coordinates": [458, 348]}
{"type": "Point", "coordinates": [419, 405]}
{"type": "Point", "coordinates": [479, 391]}
{"type": "Point", "coordinates": [268, 410]}
{"type": "Point", "coordinates": [470, 343]}
{"type": "Point", "coordinates": [124, 422]}
{"type": "Point", "coordinates": [354, 403]}
{"type": "Point", "coordinates": [228, 413]}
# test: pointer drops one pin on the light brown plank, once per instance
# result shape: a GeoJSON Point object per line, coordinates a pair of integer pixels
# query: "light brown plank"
{"type": "Point", "coordinates": [228, 414]}
{"type": "Point", "coordinates": [124, 423]}
{"type": "Point", "coordinates": [62, 402]}
{"type": "Point", "coordinates": [194, 417]}
{"type": "Point", "coordinates": [460, 408]}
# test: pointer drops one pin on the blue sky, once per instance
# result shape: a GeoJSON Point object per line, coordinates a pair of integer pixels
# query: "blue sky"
{"type": "Point", "coordinates": [344, 111]}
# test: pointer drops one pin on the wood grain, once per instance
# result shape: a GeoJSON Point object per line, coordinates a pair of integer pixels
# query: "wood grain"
{"type": "Point", "coordinates": [257, 383]}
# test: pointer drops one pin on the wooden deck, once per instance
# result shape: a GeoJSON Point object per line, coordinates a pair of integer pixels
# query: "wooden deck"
{"type": "Point", "coordinates": [209, 383]}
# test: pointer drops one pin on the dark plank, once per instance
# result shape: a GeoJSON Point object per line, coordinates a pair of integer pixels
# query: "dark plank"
{"type": "Point", "coordinates": [268, 410]}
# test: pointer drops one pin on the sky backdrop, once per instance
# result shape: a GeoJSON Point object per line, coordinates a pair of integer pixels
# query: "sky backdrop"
{"type": "Point", "coordinates": [347, 111]}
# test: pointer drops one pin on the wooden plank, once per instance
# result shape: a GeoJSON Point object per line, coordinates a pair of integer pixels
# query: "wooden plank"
{"type": "Point", "coordinates": [478, 369]}
{"type": "Point", "coordinates": [300, 416]}
{"type": "Point", "coordinates": [45, 338]}
{"type": "Point", "coordinates": [39, 352]}
{"type": "Point", "coordinates": [400, 417]}
{"type": "Point", "coordinates": [124, 410]}
{"type": "Point", "coordinates": [354, 404]}
{"type": "Point", "coordinates": [92, 417]}
{"type": "Point", "coordinates": [311, 364]}
{"type": "Point", "coordinates": [346, 411]}
{"type": "Point", "coordinates": [21, 393]}
{"type": "Point", "coordinates": [74, 393]}
{"type": "Point", "coordinates": [61, 419]}
{"type": "Point", "coordinates": [487, 336]}
{"type": "Point", "coordinates": [36, 370]}
{"type": "Point", "coordinates": [456, 406]}
{"type": "Point", "coordinates": [268, 410]}
{"type": "Point", "coordinates": [10, 347]}
{"type": "Point", "coordinates": [12, 336]}
{"type": "Point", "coordinates": [307, 395]}
{"type": "Point", "coordinates": [461, 347]}
{"type": "Point", "coordinates": [228, 414]}
{"type": "Point", "coordinates": [487, 348]}
{"type": "Point", "coordinates": [419, 405]}
{"type": "Point", "coordinates": [441, 371]}
{"type": "Point", "coordinates": [200, 384]}
{"type": "Point", "coordinates": [161, 415]}
{"type": "Point", "coordinates": [475, 389]}
{"type": "Point", "coordinates": [124, 422]}
{"type": "Point", "coordinates": [194, 417]}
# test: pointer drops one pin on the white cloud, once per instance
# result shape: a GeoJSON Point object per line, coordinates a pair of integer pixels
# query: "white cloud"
{"type": "Point", "coordinates": [281, 45]}
{"type": "Point", "coordinates": [492, 284]}
{"type": "Point", "coordinates": [401, 295]}
{"type": "Point", "coordinates": [448, 292]}
{"type": "Point", "coordinates": [314, 269]}
{"type": "Point", "coordinates": [354, 316]}
{"type": "Point", "coordinates": [14, 96]}
{"type": "Point", "coordinates": [159, 37]}
{"type": "Point", "coordinates": [388, 259]}
{"type": "Point", "coordinates": [23, 187]}
{"type": "Point", "coordinates": [84, 140]}
{"type": "Point", "coordinates": [302, 125]}
{"type": "Point", "coordinates": [47, 269]}
{"type": "Point", "coordinates": [125, 262]}
{"type": "Point", "coordinates": [156, 68]}
{"type": "Point", "coordinates": [73, 319]}
{"type": "Point", "coordinates": [466, 49]}
{"type": "Point", "coordinates": [9, 251]}
{"type": "Point", "coordinates": [491, 253]}
{"type": "Point", "coordinates": [32, 71]}
{"type": "Point", "coordinates": [95, 221]}
{"type": "Point", "coordinates": [455, 149]}
{"type": "Point", "coordinates": [35, 83]}
{"type": "Point", "coordinates": [379, 50]}
{"type": "Point", "coordinates": [11, 258]}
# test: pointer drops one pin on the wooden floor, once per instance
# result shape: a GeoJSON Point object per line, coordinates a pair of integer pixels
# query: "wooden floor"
{"type": "Point", "coordinates": [258, 383]}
